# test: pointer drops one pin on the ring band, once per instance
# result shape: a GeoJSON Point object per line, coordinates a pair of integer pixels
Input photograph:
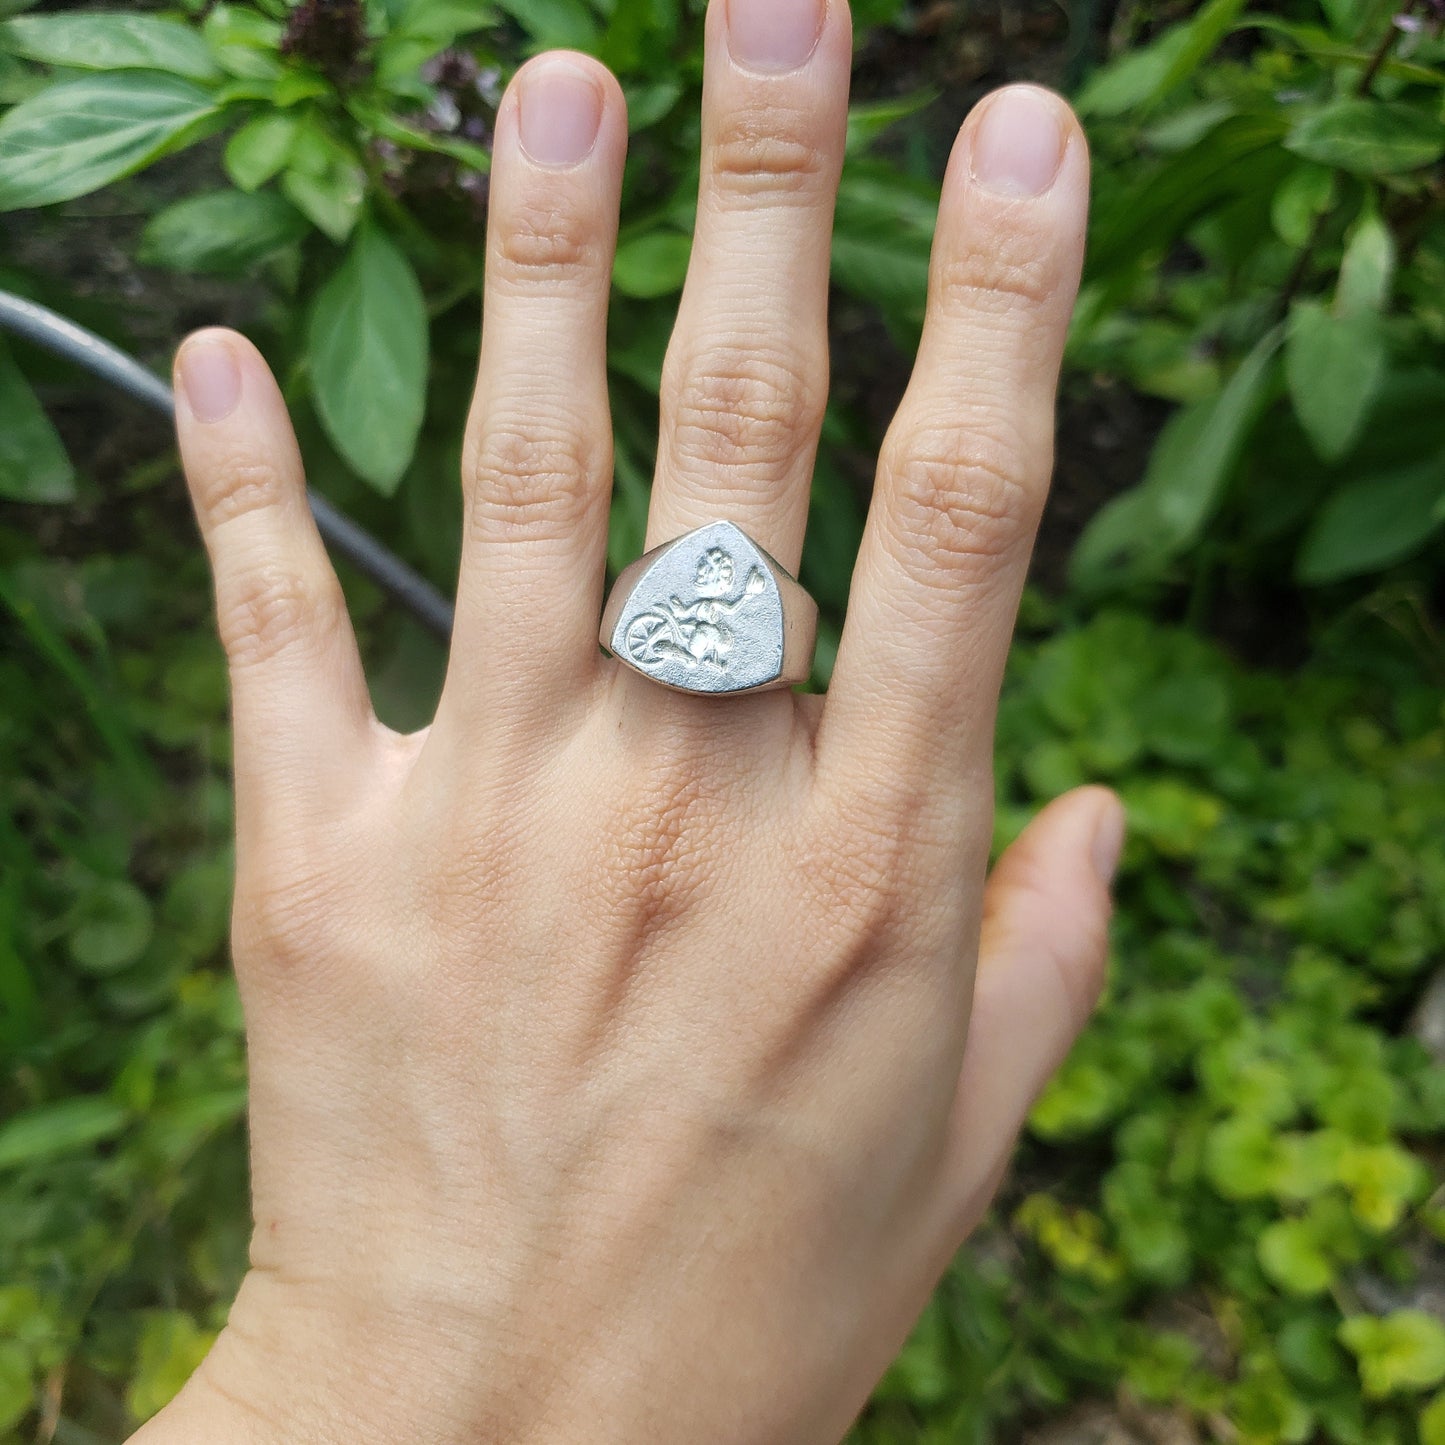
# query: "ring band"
{"type": "Point", "coordinates": [712, 613]}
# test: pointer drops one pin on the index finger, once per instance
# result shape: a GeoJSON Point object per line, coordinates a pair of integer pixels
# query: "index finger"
{"type": "Point", "coordinates": [965, 466]}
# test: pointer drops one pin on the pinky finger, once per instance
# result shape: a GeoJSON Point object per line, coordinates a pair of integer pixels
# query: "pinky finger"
{"type": "Point", "coordinates": [299, 698]}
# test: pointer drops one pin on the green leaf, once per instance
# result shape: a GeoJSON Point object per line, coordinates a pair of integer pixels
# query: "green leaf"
{"type": "Point", "coordinates": [80, 135]}
{"type": "Point", "coordinates": [113, 926]}
{"type": "Point", "coordinates": [33, 463]}
{"type": "Point", "coordinates": [1369, 137]}
{"type": "Point", "coordinates": [1374, 522]}
{"type": "Point", "coordinates": [1432, 1422]}
{"type": "Point", "coordinates": [368, 349]}
{"type": "Point", "coordinates": [1398, 1353]}
{"type": "Point", "coordinates": [1299, 201]}
{"type": "Point", "coordinates": [260, 149]}
{"type": "Point", "coordinates": [1366, 269]}
{"type": "Point", "coordinates": [652, 265]}
{"type": "Point", "coordinates": [868, 120]}
{"type": "Point", "coordinates": [1290, 1255]}
{"type": "Point", "coordinates": [54, 1129]}
{"type": "Point", "coordinates": [1334, 366]}
{"type": "Point", "coordinates": [172, 1346]}
{"type": "Point", "coordinates": [1191, 466]}
{"type": "Point", "coordinates": [1142, 77]}
{"type": "Point", "coordinates": [221, 233]}
{"type": "Point", "coordinates": [17, 1392]}
{"type": "Point", "coordinates": [97, 41]}
{"type": "Point", "coordinates": [244, 43]}
{"type": "Point", "coordinates": [325, 182]}
{"type": "Point", "coordinates": [552, 24]}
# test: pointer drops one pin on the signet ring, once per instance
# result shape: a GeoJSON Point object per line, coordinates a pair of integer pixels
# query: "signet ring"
{"type": "Point", "coordinates": [712, 613]}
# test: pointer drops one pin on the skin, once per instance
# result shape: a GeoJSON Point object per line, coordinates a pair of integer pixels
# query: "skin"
{"type": "Point", "coordinates": [627, 1066]}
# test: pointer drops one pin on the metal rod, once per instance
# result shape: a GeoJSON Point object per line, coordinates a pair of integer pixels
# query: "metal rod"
{"type": "Point", "coordinates": [347, 539]}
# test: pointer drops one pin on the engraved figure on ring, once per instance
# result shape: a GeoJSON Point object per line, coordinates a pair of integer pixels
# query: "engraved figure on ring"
{"type": "Point", "coordinates": [695, 633]}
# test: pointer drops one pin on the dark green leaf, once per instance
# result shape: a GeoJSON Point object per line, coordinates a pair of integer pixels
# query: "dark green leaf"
{"type": "Point", "coordinates": [1370, 137]}
{"type": "Point", "coordinates": [568, 24]}
{"type": "Point", "coordinates": [221, 233]}
{"type": "Point", "coordinates": [1334, 366]}
{"type": "Point", "coordinates": [113, 927]}
{"type": "Point", "coordinates": [870, 119]}
{"type": "Point", "coordinates": [92, 41]}
{"type": "Point", "coordinates": [652, 265]}
{"type": "Point", "coordinates": [33, 463]}
{"type": "Point", "coordinates": [80, 135]}
{"type": "Point", "coordinates": [368, 348]}
{"type": "Point", "coordinates": [54, 1129]}
{"type": "Point", "coordinates": [1374, 522]}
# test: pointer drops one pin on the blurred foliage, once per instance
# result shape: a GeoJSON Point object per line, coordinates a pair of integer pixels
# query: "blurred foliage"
{"type": "Point", "coordinates": [1228, 1213]}
{"type": "Point", "coordinates": [1268, 251]}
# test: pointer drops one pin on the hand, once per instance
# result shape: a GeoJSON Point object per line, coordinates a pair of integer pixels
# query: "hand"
{"type": "Point", "coordinates": [619, 1071]}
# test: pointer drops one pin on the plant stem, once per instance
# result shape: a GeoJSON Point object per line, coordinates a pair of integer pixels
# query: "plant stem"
{"type": "Point", "coordinates": [1382, 51]}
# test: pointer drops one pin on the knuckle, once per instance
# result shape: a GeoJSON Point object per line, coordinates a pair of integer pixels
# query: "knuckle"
{"type": "Point", "coordinates": [530, 482]}
{"type": "Point", "coordinates": [286, 917]}
{"type": "Point", "coordinates": [767, 154]}
{"type": "Point", "coordinates": [239, 487]}
{"type": "Point", "coordinates": [544, 241]}
{"type": "Point", "coordinates": [266, 611]}
{"type": "Point", "coordinates": [743, 408]}
{"type": "Point", "coordinates": [1010, 276]}
{"type": "Point", "coordinates": [958, 497]}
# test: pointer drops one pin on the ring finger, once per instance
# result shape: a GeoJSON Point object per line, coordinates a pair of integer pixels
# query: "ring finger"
{"type": "Point", "coordinates": [746, 377]}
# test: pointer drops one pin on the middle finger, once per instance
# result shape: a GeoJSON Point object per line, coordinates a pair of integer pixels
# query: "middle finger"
{"type": "Point", "coordinates": [746, 377]}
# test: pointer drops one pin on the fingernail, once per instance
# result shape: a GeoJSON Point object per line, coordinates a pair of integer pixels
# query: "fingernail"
{"type": "Point", "coordinates": [1108, 842]}
{"type": "Point", "coordinates": [777, 35]}
{"type": "Point", "coordinates": [209, 377]}
{"type": "Point", "coordinates": [560, 113]}
{"type": "Point", "coordinates": [1019, 144]}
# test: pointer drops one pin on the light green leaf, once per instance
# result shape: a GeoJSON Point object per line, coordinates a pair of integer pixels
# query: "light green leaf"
{"type": "Point", "coordinates": [1374, 522]}
{"type": "Point", "coordinates": [50, 1130]}
{"type": "Point", "coordinates": [368, 348]}
{"type": "Point", "coordinates": [244, 43]}
{"type": "Point", "coordinates": [96, 41]}
{"type": "Point", "coordinates": [1334, 366]}
{"type": "Point", "coordinates": [1432, 1422]}
{"type": "Point", "coordinates": [113, 926]}
{"type": "Point", "coordinates": [1366, 269]}
{"type": "Point", "coordinates": [1299, 201]}
{"type": "Point", "coordinates": [80, 135]}
{"type": "Point", "coordinates": [17, 1393]}
{"type": "Point", "coordinates": [33, 463]}
{"type": "Point", "coordinates": [652, 265]}
{"type": "Point", "coordinates": [222, 233]}
{"type": "Point", "coordinates": [172, 1346]}
{"type": "Point", "coordinates": [1290, 1254]}
{"type": "Point", "coordinates": [1369, 137]}
{"type": "Point", "coordinates": [1398, 1353]}
{"type": "Point", "coordinates": [260, 149]}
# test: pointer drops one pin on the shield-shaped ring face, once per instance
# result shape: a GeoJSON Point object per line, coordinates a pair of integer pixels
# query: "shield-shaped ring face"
{"type": "Point", "coordinates": [709, 613]}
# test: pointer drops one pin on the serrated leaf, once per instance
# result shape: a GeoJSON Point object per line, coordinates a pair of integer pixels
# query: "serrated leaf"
{"type": "Point", "coordinates": [1334, 366]}
{"type": "Point", "coordinates": [1374, 522]}
{"type": "Point", "coordinates": [98, 41]}
{"type": "Point", "coordinates": [1369, 137]}
{"type": "Point", "coordinates": [77, 136]}
{"type": "Point", "coordinates": [368, 351]}
{"type": "Point", "coordinates": [34, 466]}
{"type": "Point", "coordinates": [221, 233]}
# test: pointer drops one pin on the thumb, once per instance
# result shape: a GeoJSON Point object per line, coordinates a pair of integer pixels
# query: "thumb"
{"type": "Point", "coordinates": [1042, 962]}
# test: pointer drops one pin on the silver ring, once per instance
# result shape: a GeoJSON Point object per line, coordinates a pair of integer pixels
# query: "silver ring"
{"type": "Point", "coordinates": [712, 613]}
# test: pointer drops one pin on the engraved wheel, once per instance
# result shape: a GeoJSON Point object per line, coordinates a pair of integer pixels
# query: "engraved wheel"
{"type": "Point", "coordinates": [644, 632]}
